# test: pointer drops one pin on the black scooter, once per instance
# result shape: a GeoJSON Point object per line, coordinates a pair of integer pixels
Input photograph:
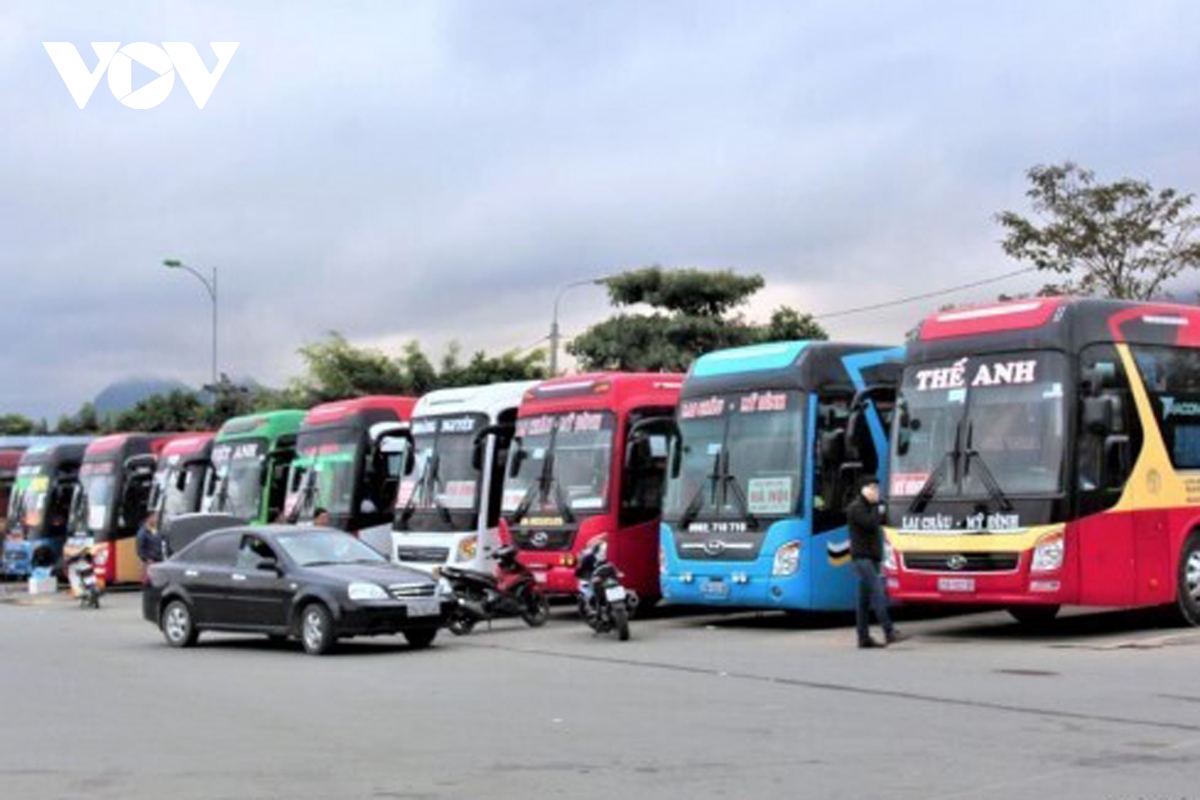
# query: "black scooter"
{"type": "Point", "coordinates": [604, 603]}
{"type": "Point", "coordinates": [482, 597]}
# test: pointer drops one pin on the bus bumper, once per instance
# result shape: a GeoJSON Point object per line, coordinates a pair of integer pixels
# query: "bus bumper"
{"type": "Point", "coordinates": [737, 588]}
{"type": "Point", "coordinates": [18, 559]}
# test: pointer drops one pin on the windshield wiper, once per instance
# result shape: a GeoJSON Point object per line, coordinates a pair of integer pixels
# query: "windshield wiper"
{"type": "Point", "coordinates": [989, 480]}
{"type": "Point", "coordinates": [930, 487]}
{"type": "Point", "coordinates": [743, 501]}
{"type": "Point", "coordinates": [697, 501]}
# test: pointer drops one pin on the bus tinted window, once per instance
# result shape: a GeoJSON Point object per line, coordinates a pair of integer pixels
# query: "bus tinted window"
{"type": "Point", "coordinates": [1172, 379]}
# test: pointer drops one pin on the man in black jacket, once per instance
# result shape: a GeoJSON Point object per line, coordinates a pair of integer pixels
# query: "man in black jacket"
{"type": "Point", "coordinates": [865, 521]}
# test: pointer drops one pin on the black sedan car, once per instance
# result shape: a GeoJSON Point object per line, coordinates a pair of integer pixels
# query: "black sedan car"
{"type": "Point", "coordinates": [315, 584]}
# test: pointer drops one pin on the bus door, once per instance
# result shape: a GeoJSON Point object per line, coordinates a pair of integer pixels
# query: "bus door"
{"type": "Point", "coordinates": [1108, 441]}
{"type": "Point", "coordinates": [642, 482]}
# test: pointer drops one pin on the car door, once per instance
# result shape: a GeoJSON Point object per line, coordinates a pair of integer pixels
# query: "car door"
{"type": "Point", "coordinates": [258, 597]}
{"type": "Point", "coordinates": [206, 576]}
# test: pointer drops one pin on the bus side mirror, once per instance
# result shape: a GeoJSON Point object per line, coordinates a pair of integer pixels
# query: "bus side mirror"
{"type": "Point", "coordinates": [516, 459]}
{"type": "Point", "coordinates": [1098, 416]}
{"type": "Point", "coordinates": [1117, 460]}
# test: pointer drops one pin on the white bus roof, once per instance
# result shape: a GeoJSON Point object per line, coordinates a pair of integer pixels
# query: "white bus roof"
{"type": "Point", "coordinates": [492, 400]}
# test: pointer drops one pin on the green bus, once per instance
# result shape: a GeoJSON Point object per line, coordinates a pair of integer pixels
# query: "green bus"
{"type": "Point", "coordinates": [251, 456]}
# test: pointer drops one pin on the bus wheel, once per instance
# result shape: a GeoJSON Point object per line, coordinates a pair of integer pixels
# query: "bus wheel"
{"type": "Point", "coordinates": [1034, 616]}
{"type": "Point", "coordinates": [1189, 581]}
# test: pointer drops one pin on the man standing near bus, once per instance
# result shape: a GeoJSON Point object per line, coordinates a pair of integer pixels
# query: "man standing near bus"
{"type": "Point", "coordinates": [865, 521]}
{"type": "Point", "coordinates": [149, 542]}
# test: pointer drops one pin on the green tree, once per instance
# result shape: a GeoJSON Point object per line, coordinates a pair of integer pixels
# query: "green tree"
{"type": "Point", "coordinates": [178, 410]}
{"type": "Point", "coordinates": [694, 313]}
{"type": "Point", "coordinates": [84, 422]}
{"type": "Point", "coordinates": [17, 425]}
{"type": "Point", "coordinates": [1123, 240]}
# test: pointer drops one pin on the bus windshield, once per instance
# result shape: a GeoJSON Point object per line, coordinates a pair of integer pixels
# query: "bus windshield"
{"type": "Point", "coordinates": [996, 422]}
{"type": "Point", "coordinates": [741, 457]}
{"type": "Point", "coordinates": [324, 473]}
{"type": "Point", "coordinates": [562, 464]}
{"type": "Point", "coordinates": [94, 497]}
{"type": "Point", "coordinates": [444, 482]}
{"type": "Point", "coordinates": [237, 478]}
{"type": "Point", "coordinates": [27, 507]}
{"type": "Point", "coordinates": [177, 487]}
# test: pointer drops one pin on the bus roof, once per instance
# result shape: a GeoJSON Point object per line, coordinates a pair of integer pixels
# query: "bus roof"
{"type": "Point", "coordinates": [268, 424]}
{"type": "Point", "coordinates": [187, 444]}
{"type": "Point", "coordinates": [1056, 322]}
{"type": "Point", "coordinates": [492, 400]}
{"type": "Point", "coordinates": [54, 454]}
{"type": "Point", "coordinates": [361, 410]}
{"type": "Point", "coordinates": [618, 391]}
{"type": "Point", "coordinates": [804, 365]}
{"type": "Point", "coordinates": [122, 445]}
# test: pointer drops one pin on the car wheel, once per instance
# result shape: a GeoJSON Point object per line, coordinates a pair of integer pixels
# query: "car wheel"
{"type": "Point", "coordinates": [420, 638]}
{"type": "Point", "coordinates": [1034, 616]}
{"type": "Point", "coordinates": [178, 627]}
{"type": "Point", "coordinates": [316, 629]}
{"type": "Point", "coordinates": [1189, 581]}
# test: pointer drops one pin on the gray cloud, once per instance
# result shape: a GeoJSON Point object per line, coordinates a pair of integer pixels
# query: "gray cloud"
{"type": "Point", "coordinates": [437, 170]}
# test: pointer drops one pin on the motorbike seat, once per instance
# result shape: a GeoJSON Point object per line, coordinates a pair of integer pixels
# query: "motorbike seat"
{"type": "Point", "coordinates": [472, 574]}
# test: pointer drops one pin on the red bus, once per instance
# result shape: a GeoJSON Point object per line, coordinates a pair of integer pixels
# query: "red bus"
{"type": "Point", "coordinates": [111, 500]}
{"type": "Point", "coordinates": [1045, 453]}
{"type": "Point", "coordinates": [344, 466]}
{"type": "Point", "coordinates": [179, 475]}
{"type": "Point", "coordinates": [575, 475]}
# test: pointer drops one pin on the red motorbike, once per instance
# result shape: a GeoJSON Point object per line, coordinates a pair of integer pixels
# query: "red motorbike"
{"type": "Point", "coordinates": [511, 592]}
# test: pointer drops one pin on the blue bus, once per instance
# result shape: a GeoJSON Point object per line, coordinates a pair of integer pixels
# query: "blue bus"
{"type": "Point", "coordinates": [770, 442]}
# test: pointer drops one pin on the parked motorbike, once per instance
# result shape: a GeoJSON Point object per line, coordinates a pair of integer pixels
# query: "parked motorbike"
{"type": "Point", "coordinates": [81, 573]}
{"type": "Point", "coordinates": [604, 603]}
{"type": "Point", "coordinates": [512, 592]}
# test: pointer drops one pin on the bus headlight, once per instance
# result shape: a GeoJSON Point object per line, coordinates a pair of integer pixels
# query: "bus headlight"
{"type": "Point", "coordinates": [662, 560]}
{"type": "Point", "coordinates": [787, 559]}
{"type": "Point", "coordinates": [889, 556]}
{"type": "Point", "coordinates": [467, 548]}
{"type": "Point", "coordinates": [1048, 554]}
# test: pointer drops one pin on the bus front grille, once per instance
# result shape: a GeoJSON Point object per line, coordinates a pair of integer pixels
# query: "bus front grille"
{"type": "Point", "coordinates": [961, 562]}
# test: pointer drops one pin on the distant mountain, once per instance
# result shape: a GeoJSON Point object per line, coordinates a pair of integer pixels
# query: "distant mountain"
{"type": "Point", "coordinates": [125, 394]}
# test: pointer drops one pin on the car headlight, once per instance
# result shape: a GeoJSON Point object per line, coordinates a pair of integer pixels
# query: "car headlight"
{"type": "Point", "coordinates": [787, 559]}
{"type": "Point", "coordinates": [367, 591]}
{"type": "Point", "coordinates": [889, 556]}
{"type": "Point", "coordinates": [444, 589]}
{"type": "Point", "coordinates": [1048, 554]}
{"type": "Point", "coordinates": [467, 548]}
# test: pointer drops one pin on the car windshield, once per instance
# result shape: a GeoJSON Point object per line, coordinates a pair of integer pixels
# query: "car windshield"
{"type": "Point", "coordinates": [324, 473]}
{"type": "Point", "coordinates": [560, 459]}
{"type": "Point", "coordinates": [1000, 417]}
{"type": "Point", "coordinates": [444, 479]}
{"type": "Point", "coordinates": [94, 496]}
{"type": "Point", "coordinates": [237, 478]}
{"type": "Point", "coordinates": [741, 456]}
{"type": "Point", "coordinates": [316, 548]}
{"type": "Point", "coordinates": [27, 507]}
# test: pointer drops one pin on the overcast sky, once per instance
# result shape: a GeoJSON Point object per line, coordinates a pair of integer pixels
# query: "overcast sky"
{"type": "Point", "coordinates": [437, 170]}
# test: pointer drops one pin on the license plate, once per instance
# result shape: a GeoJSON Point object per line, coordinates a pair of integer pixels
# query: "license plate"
{"type": "Point", "coordinates": [715, 588]}
{"type": "Point", "coordinates": [424, 607]}
{"type": "Point", "coordinates": [539, 577]}
{"type": "Point", "coordinates": [956, 584]}
{"type": "Point", "coordinates": [615, 594]}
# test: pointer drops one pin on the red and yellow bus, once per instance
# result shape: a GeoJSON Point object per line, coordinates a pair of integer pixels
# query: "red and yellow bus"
{"type": "Point", "coordinates": [1046, 452]}
{"type": "Point", "coordinates": [111, 500]}
{"type": "Point", "coordinates": [576, 476]}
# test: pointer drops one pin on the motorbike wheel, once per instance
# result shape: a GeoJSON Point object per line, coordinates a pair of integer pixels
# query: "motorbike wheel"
{"type": "Point", "coordinates": [620, 618]}
{"type": "Point", "coordinates": [535, 608]}
{"type": "Point", "coordinates": [461, 624]}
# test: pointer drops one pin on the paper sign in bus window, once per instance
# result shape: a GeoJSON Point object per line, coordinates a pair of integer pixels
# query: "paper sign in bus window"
{"type": "Point", "coordinates": [458, 495]}
{"type": "Point", "coordinates": [770, 495]}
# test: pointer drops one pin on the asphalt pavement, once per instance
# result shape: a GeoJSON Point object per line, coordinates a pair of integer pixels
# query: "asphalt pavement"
{"type": "Point", "coordinates": [1103, 705]}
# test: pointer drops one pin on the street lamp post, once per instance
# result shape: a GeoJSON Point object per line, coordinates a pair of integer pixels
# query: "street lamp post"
{"type": "Point", "coordinates": [554, 332]}
{"type": "Point", "coordinates": [210, 285]}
